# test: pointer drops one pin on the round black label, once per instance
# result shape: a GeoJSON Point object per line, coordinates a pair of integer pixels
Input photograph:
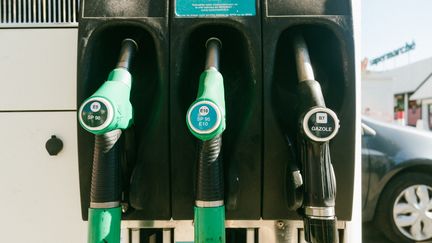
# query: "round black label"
{"type": "Point", "coordinates": [321, 124]}
{"type": "Point", "coordinates": [94, 113]}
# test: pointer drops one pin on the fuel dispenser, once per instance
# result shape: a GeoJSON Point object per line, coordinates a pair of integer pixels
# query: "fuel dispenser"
{"type": "Point", "coordinates": [143, 147]}
{"type": "Point", "coordinates": [258, 147]}
{"type": "Point", "coordinates": [308, 155]}
{"type": "Point", "coordinates": [237, 26]}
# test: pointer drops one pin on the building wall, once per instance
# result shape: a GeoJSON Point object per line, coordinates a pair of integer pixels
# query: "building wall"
{"type": "Point", "coordinates": [377, 97]}
{"type": "Point", "coordinates": [40, 193]}
{"type": "Point", "coordinates": [425, 114]}
{"type": "Point", "coordinates": [379, 88]}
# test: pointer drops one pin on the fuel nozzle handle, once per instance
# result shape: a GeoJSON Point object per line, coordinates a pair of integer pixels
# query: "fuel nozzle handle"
{"type": "Point", "coordinates": [109, 108]}
{"type": "Point", "coordinates": [317, 125]}
{"type": "Point", "coordinates": [206, 121]}
{"type": "Point", "coordinates": [206, 116]}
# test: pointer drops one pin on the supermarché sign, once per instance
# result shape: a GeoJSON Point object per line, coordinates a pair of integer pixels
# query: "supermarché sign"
{"type": "Point", "coordinates": [408, 47]}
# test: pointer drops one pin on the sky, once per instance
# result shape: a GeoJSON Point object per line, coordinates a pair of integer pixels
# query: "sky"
{"type": "Point", "coordinates": [388, 24]}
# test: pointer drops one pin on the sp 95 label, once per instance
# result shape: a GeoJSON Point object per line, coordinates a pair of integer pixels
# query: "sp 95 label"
{"type": "Point", "coordinates": [204, 117]}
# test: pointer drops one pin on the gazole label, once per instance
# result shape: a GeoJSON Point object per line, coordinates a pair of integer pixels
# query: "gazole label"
{"type": "Point", "coordinates": [204, 117]}
{"type": "Point", "coordinates": [320, 124]}
{"type": "Point", "coordinates": [197, 8]}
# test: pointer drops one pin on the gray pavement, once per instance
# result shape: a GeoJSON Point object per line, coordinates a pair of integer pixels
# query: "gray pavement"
{"type": "Point", "coordinates": [372, 235]}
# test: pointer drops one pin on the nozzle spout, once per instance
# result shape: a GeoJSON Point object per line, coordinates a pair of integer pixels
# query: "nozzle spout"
{"type": "Point", "coordinates": [212, 58]}
{"type": "Point", "coordinates": [127, 53]}
{"type": "Point", "coordinates": [304, 66]}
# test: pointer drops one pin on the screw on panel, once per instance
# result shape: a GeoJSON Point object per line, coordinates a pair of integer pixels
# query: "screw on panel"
{"type": "Point", "coordinates": [280, 224]}
{"type": "Point", "coordinates": [124, 207]}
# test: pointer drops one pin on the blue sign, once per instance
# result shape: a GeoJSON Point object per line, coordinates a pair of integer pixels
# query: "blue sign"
{"type": "Point", "coordinates": [204, 117]}
{"type": "Point", "coordinates": [195, 8]}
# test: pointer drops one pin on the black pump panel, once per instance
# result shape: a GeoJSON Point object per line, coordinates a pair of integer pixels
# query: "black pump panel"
{"type": "Point", "coordinates": [145, 165]}
{"type": "Point", "coordinates": [240, 65]}
{"type": "Point", "coordinates": [124, 9]}
{"type": "Point", "coordinates": [331, 48]}
{"type": "Point", "coordinates": [307, 7]}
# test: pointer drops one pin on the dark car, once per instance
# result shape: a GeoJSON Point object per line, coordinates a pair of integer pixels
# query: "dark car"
{"type": "Point", "coordinates": [397, 180]}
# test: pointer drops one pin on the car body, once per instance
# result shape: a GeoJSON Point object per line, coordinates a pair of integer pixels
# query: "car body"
{"type": "Point", "coordinates": [390, 153]}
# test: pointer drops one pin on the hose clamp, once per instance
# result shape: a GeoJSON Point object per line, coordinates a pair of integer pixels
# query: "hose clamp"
{"type": "Point", "coordinates": [104, 204]}
{"type": "Point", "coordinates": [209, 204]}
{"type": "Point", "coordinates": [320, 212]}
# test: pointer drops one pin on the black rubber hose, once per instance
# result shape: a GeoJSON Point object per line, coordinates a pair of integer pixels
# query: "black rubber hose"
{"type": "Point", "coordinates": [105, 183]}
{"type": "Point", "coordinates": [210, 183]}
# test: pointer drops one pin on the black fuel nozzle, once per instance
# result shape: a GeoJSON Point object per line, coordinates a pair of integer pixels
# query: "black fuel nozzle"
{"type": "Point", "coordinates": [317, 126]}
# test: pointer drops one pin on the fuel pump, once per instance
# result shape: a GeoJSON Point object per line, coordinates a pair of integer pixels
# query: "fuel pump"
{"type": "Point", "coordinates": [317, 126]}
{"type": "Point", "coordinates": [106, 113]}
{"type": "Point", "coordinates": [206, 121]}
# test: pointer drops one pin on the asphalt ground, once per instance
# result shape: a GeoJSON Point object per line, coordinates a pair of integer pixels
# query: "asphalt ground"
{"type": "Point", "coordinates": [372, 235]}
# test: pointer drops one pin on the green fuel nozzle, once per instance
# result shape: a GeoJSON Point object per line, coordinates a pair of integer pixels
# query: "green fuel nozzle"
{"type": "Point", "coordinates": [206, 116]}
{"type": "Point", "coordinates": [206, 121]}
{"type": "Point", "coordinates": [109, 108]}
{"type": "Point", "coordinates": [106, 113]}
